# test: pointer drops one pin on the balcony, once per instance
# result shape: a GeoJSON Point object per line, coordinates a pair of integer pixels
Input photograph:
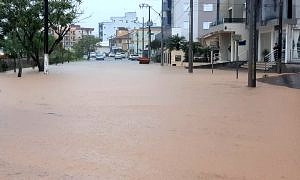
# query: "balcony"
{"type": "Point", "coordinates": [227, 25]}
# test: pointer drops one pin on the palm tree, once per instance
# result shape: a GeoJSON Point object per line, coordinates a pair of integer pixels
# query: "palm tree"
{"type": "Point", "coordinates": [175, 42]}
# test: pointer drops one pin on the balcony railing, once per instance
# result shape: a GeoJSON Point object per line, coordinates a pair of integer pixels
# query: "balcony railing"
{"type": "Point", "coordinates": [228, 20]}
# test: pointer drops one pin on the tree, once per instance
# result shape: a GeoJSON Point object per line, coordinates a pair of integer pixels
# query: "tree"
{"type": "Point", "coordinates": [155, 44]}
{"type": "Point", "coordinates": [198, 50]}
{"type": "Point", "coordinates": [25, 18]}
{"type": "Point", "coordinates": [14, 49]}
{"type": "Point", "coordinates": [175, 42]}
{"type": "Point", "coordinates": [85, 46]}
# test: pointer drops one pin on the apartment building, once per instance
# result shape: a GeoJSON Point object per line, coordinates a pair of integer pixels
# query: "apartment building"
{"type": "Point", "coordinates": [204, 13]}
{"type": "Point", "coordinates": [228, 35]}
{"type": "Point", "coordinates": [268, 29]}
{"type": "Point", "coordinates": [74, 35]}
{"type": "Point", "coordinates": [107, 30]}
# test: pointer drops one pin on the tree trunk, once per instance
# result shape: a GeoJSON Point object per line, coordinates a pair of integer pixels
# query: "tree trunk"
{"type": "Point", "coordinates": [15, 65]}
{"type": "Point", "coordinates": [39, 63]}
{"type": "Point", "coordinates": [20, 68]}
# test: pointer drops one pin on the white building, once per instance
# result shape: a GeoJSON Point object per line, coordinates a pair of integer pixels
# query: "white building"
{"type": "Point", "coordinates": [228, 34]}
{"type": "Point", "coordinates": [268, 33]}
{"type": "Point", "coordinates": [204, 13]}
{"type": "Point", "coordinates": [107, 30]}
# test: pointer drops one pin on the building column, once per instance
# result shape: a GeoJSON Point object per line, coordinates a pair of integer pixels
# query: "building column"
{"type": "Point", "coordinates": [272, 44]}
{"type": "Point", "coordinates": [296, 35]}
{"type": "Point", "coordinates": [288, 44]}
{"type": "Point", "coordinates": [232, 53]}
{"type": "Point", "coordinates": [259, 56]}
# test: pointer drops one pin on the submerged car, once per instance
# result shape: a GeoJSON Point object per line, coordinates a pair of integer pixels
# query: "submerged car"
{"type": "Point", "coordinates": [118, 56]}
{"type": "Point", "coordinates": [133, 57]}
{"type": "Point", "coordinates": [123, 55]}
{"type": "Point", "coordinates": [100, 56]}
{"type": "Point", "coordinates": [111, 54]}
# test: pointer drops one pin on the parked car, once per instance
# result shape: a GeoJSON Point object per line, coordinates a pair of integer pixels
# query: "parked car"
{"type": "Point", "coordinates": [133, 57]}
{"type": "Point", "coordinates": [111, 54]}
{"type": "Point", "coordinates": [100, 56]}
{"type": "Point", "coordinates": [118, 56]}
{"type": "Point", "coordinates": [123, 55]}
{"type": "Point", "coordinates": [92, 55]}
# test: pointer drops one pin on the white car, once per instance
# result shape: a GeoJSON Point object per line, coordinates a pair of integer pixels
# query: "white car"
{"type": "Point", "coordinates": [118, 56]}
{"type": "Point", "coordinates": [133, 57]}
{"type": "Point", "coordinates": [123, 55]}
{"type": "Point", "coordinates": [92, 55]}
{"type": "Point", "coordinates": [111, 54]}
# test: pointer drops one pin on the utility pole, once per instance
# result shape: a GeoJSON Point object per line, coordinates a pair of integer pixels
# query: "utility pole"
{"type": "Point", "coordinates": [191, 38]}
{"type": "Point", "coordinates": [46, 27]}
{"type": "Point", "coordinates": [162, 34]}
{"type": "Point", "coordinates": [143, 38]}
{"type": "Point", "coordinates": [252, 43]}
{"type": "Point", "coordinates": [279, 59]}
{"type": "Point", "coordinates": [137, 41]}
{"type": "Point", "coordinates": [149, 35]}
{"type": "Point", "coordinates": [218, 12]}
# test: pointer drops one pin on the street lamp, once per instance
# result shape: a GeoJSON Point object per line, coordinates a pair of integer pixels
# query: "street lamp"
{"type": "Point", "coordinates": [46, 27]}
{"type": "Point", "coordinates": [149, 23]}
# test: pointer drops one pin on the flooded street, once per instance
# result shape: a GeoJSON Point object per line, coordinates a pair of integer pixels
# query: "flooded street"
{"type": "Point", "coordinates": [121, 120]}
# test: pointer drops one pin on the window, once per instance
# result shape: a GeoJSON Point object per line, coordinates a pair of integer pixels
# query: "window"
{"type": "Point", "coordinates": [206, 25]}
{"type": "Point", "coordinates": [208, 7]}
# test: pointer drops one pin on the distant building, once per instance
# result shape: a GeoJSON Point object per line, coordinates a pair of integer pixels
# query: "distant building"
{"type": "Point", "coordinates": [74, 35]}
{"type": "Point", "coordinates": [137, 40]}
{"type": "Point", "coordinates": [107, 30]}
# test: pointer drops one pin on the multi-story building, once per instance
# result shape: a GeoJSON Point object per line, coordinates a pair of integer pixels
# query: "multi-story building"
{"type": "Point", "coordinates": [204, 13]}
{"type": "Point", "coordinates": [107, 30]}
{"type": "Point", "coordinates": [137, 41]}
{"type": "Point", "coordinates": [268, 29]}
{"type": "Point", "coordinates": [121, 41]}
{"type": "Point", "coordinates": [167, 14]}
{"type": "Point", "coordinates": [74, 35]}
{"type": "Point", "coordinates": [228, 34]}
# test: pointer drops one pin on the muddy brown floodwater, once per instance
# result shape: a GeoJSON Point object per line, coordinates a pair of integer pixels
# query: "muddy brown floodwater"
{"type": "Point", "coordinates": [122, 120]}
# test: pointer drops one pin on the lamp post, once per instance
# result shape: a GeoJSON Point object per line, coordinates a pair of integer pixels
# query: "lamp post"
{"type": "Point", "coordinates": [279, 61]}
{"type": "Point", "coordinates": [46, 27]}
{"type": "Point", "coordinates": [149, 24]}
{"type": "Point", "coordinates": [162, 34]}
{"type": "Point", "coordinates": [252, 13]}
{"type": "Point", "coordinates": [191, 37]}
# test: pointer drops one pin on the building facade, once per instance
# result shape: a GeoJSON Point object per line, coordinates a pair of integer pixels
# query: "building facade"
{"type": "Point", "coordinates": [268, 29]}
{"type": "Point", "coordinates": [228, 35]}
{"type": "Point", "coordinates": [204, 13]}
{"type": "Point", "coordinates": [107, 30]}
{"type": "Point", "coordinates": [139, 39]}
{"type": "Point", "coordinates": [74, 35]}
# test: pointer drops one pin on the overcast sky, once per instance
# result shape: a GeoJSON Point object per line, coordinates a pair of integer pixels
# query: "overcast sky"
{"type": "Point", "coordinates": [102, 10]}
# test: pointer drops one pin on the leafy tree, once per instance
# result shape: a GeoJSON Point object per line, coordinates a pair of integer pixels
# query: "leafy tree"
{"type": "Point", "coordinates": [155, 44]}
{"type": "Point", "coordinates": [175, 42]}
{"type": "Point", "coordinates": [198, 50]}
{"type": "Point", "coordinates": [14, 49]}
{"type": "Point", "coordinates": [25, 18]}
{"type": "Point", "coordinates": [85, 46]}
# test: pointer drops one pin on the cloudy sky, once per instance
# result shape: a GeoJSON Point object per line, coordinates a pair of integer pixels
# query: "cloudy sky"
{"type": "Point", "coordinates": [101, 10]}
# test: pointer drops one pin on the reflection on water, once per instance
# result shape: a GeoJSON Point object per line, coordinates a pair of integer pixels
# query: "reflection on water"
{"type": "Point", "coordinates": [288, 80]}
